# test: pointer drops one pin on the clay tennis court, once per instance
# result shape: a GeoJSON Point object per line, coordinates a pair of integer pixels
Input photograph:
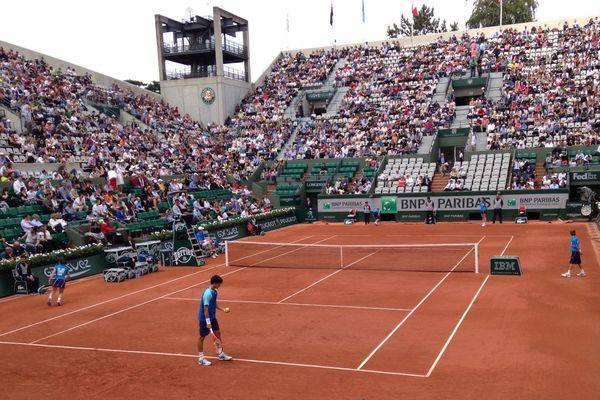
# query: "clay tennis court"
{"type": "Point", "coordinates": [327, 333]}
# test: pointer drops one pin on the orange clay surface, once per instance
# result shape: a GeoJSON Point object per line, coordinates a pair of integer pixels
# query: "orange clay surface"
{"type": "Point", "coordinates": [325, 333]}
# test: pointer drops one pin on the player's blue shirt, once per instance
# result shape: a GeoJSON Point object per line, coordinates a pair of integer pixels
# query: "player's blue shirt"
{"type": "Point", "coordinates": [208, 297]}
{"type": "Point", "coordinates": [574, 243]}
{"type": "Point", "coordinates": [60, 271]}
{"type": "Point", "coordinates": [482, 207]}
{"type": "Point", "coordinates": [200, 236]}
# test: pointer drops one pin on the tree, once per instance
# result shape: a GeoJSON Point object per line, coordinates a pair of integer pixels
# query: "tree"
{"type": "Point", "coordinates": [135, 83]}
{"type": "Point", "coordinates": [153, 86]}
{"type": "Point", "coordinates": [421, 24]}
{"type": "Point", "coordinates": [487, 12]}
{"type": "Point", "coordinates": [454, 26]}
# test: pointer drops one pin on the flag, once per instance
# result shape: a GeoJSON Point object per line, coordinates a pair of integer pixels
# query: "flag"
{"type": "Point", "coordinates": [363, 10]}
{"type": "Point", "coordinates": [415, 12]}
{"type": "Point", "coordinates": [331, 15]}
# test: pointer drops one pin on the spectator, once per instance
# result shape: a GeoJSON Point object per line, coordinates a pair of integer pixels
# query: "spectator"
{"type": "Point", "coordinates": [57, 223]}
{"type": "Point", "coordinates": [24, 271]}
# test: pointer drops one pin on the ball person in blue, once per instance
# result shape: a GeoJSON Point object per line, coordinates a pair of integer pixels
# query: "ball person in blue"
{"type": "Point", "coordinates": [207, 318]}
{"type": "Point", "coordinates": [575, 256]}
{"type": "Point", "coordinates": [58, 280]}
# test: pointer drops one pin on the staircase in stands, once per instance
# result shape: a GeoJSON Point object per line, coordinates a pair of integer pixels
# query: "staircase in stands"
{"type": "Point", "coordinates": [439, 182]}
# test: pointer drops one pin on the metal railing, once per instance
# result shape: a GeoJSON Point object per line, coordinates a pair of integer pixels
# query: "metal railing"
{"type": "Point", "coordinates": [187, 73]}
{"type": "Point", "coordinates": [229, 47]}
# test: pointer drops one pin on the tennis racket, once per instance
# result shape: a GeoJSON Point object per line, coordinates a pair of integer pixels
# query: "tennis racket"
{"type": "Point", "coordinates": [217, 342]}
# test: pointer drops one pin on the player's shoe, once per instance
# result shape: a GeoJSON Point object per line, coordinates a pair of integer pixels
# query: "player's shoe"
{"type": "Point", "coordinates": [204, 362]}
{"type": "Point", "coordinates": [58, 303]}
{"type": "Point", "coordinates": [566, 274]}
{"type": "Point", "coordinates": [49, 303]}
{"type": "Point", "coordinates": [225, 357]}
{"type": "Point", "coordinates": [581, 273]}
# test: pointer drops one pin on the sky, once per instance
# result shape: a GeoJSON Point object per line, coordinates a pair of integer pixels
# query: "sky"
{"type": "Point", "coordinates": [117, 38]}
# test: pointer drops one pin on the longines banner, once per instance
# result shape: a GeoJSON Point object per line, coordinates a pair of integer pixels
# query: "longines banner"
{"type": "Point", "coordinates": [533, 201]}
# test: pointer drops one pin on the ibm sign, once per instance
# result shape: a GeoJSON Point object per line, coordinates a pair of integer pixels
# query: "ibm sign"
{"type": "Point", "coordinates": [505, 265]}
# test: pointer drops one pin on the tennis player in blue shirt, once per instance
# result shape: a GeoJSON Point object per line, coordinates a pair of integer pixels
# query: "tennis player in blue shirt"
{"type": "Point", "coordinates": [58, 280]}
{"type": "Point", "coordinates": [575, 256]}
{"type": "Point", "coordinates": [482, 210]}
{"type": "Point", "coordinates": [207, 317]}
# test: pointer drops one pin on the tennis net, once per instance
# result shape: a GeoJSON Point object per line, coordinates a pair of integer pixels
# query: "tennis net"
{"type": "Point", "coordinates": [441, 257]}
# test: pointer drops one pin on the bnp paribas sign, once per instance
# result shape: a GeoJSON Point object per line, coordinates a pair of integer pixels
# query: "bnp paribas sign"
{"type": "Point", "coordinates": [587, 177]}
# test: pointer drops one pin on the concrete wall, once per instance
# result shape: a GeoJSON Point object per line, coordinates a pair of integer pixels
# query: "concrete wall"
{"type": "Point", "coordinates": [98, 78]}
{"type": "Point", "coordinates": [186, 94]}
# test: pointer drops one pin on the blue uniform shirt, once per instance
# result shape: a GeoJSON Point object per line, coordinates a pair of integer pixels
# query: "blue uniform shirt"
{"type": "Point", "coordinates": [482, 207]}
{"type": "Point", "coordinates": [574, 244]}
{"type": "Point", "coordinates": [60, 271]}
{"type": "Point", "coordinates": [208, 297]}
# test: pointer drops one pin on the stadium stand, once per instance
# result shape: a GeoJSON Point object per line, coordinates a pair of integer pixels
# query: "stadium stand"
{"type": "Point", "coordinates": [75, 142]}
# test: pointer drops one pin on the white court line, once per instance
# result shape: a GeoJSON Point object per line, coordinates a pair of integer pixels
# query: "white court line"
{"type": "Point", "coordinates": [414, 309]}
{"type": "Point", "coordinates": [322, 279]}
{"type": "Point", "coordinates": [109, 300]}
{"type": "Point", "coordinates": [507, 244]}
{"type": "Point", "coordinates": [156, 353]}
{"type": "Point", "coordinates": [453, 234]}
{"type": "Point", "coordinates": [130, 308]}
{"type": "Point", "coordinates": [437, 359]}
{"type": "Point", "coordinates": [439, 356]}
{"type": "Point", "coordinates": [287, 252]}
{"type": "Point", "coordinates": [137, 305]}
{"type": "Point", "coordinates": [266, 251]}
{"type": "Point", "coordinates": [295, 304]}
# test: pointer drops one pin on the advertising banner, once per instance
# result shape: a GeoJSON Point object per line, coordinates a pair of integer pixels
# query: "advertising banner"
{"type": "Point", "coordinates": [533, 201]}
{"type": "Point", "coordinates": [342, 204]}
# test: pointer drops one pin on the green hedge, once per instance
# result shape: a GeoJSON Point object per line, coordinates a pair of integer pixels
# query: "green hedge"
{"type": "Point", "coordinates": [53, 257]}
{"type": "Point", "coordinates": [167, 234]}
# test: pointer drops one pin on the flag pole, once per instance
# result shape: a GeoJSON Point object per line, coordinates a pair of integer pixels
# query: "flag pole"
{"type": "Point", "coordinates": [500, 14]}
{"type": "Point", "coordinates": [412, 27]}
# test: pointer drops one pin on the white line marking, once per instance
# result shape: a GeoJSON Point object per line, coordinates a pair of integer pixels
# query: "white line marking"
{"type": "Point", "coordinates": [294, 304]}
{"type": "Point", "coordinates": [130, 308]}
{"type": "Point", "coordinates": [156, 353]}
{"type": "Point", "coordinates": [109, 300]}
{"type": "Point", "coordinates": [507, 244]}
{"type": "Point", "coordinates": [322, 279]}
{"type": "Point", "coordinates": [265, 251]}
{"type": "Point", "coordinates": [414, 309]}
{"type": "Point", "coordinates": [138, 305]}
{"type": "Point", "coordinates": [437, 359]}
{"type": "Point", "coordinates": [287, 252]}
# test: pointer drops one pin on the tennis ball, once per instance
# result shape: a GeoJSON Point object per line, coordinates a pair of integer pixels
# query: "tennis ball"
{"type": "Point", "coordinates": [226, 309]}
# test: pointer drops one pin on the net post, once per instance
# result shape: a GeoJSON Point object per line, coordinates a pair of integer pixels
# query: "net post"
{"type": "Point", "coordinates": [342, 257]}
{"type": "Point", "coordinates": [476, 258]}
{"type": "Point", "coordinates": [227, 253]}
